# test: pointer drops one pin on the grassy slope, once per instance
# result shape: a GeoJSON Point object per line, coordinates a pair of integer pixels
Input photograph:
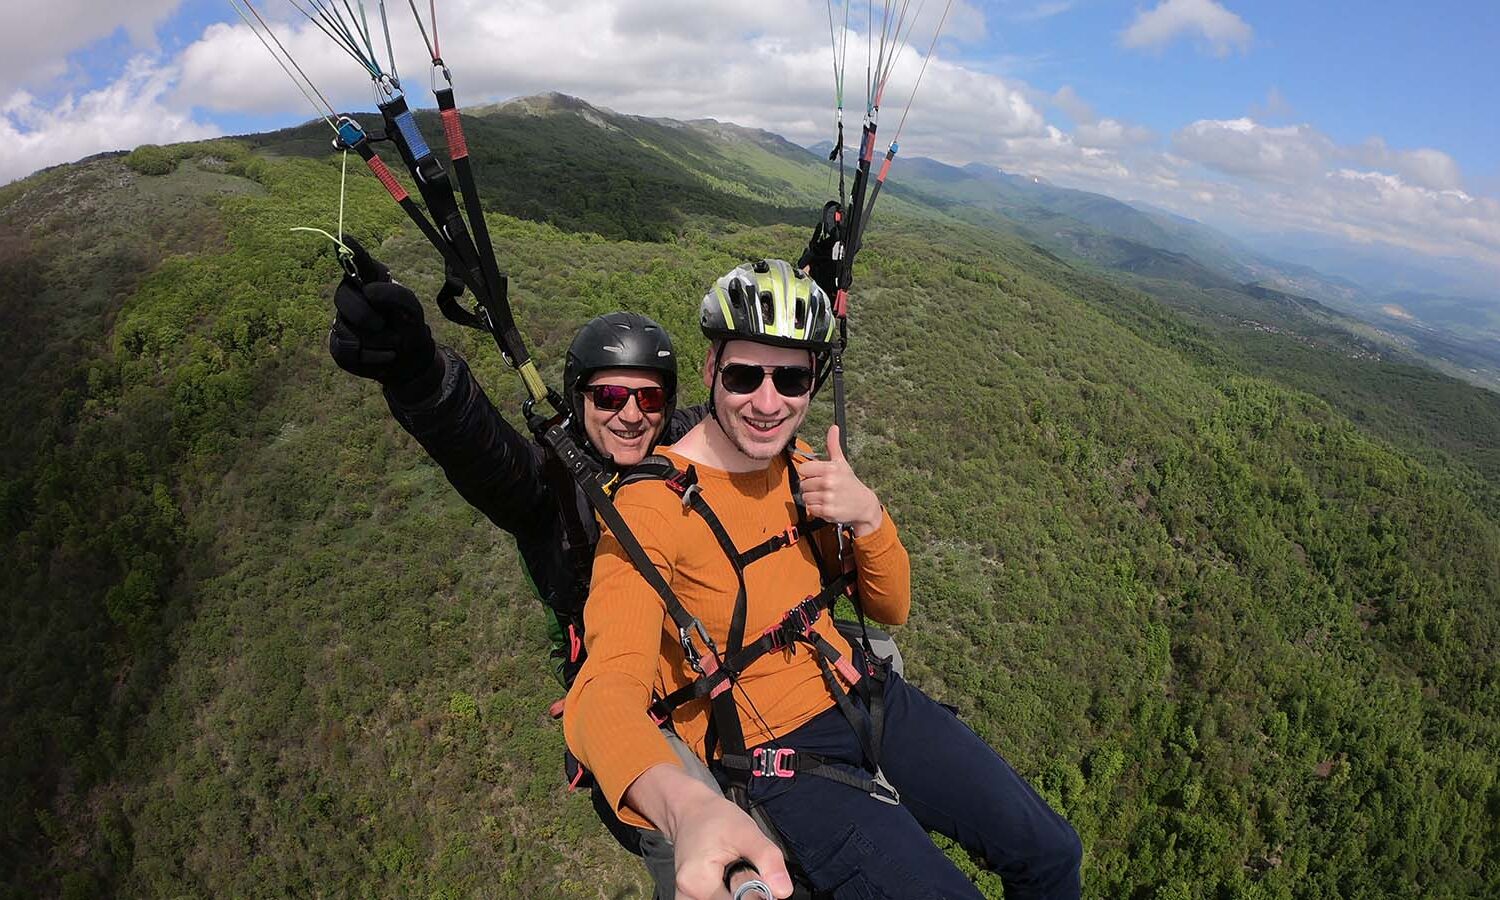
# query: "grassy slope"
{"type": "Point", "coordinates": [1106, 521]}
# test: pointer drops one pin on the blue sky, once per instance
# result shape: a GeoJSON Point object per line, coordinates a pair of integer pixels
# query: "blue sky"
{"type": "Point", "coordinates": [1369, 122]}
{"type": "Point", "coordinates": [1418, 74]}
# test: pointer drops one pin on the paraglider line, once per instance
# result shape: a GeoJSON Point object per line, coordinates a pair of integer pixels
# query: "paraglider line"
{"type": "Point", "coordinates": [305, 83]}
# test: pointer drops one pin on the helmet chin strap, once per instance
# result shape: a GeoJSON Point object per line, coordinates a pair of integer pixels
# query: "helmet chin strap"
{"type": "Point", "coordinates": [713, 384]}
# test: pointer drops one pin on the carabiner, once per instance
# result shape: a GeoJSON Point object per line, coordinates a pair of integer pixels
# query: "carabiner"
{"type": "Point", "coordinates": [439, 66]}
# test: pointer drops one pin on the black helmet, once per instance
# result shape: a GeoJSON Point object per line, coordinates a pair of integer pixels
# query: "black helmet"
{"type": "Point", "coordinates": [618, 340]}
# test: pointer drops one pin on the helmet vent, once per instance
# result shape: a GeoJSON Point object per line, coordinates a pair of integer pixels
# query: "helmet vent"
{"type": "Point", "coordinates": [800, 314]}
{"type": "Point", "coordinates": [737, 293]}
{"type": "Point", "coordinates": [767, 307]}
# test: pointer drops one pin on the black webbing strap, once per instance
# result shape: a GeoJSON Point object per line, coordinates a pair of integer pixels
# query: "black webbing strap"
{"type": "Point", "coordinates": [840, 399]}
{"type": "Point", "coordinates": [458, 155]}
{"type": "Point", "coordinates": [585, 473]}
{"type": "Point", "coordinates": [785, 762]}
{"type": "Point", "coordinates": [447, 301]}
{"type": "Point", "coordinates": [854, 215]}
{"type": "Point", "coordinates": [694, 499]}
{"type": "Point", "coordinates": [437, 192]}
{"type": "Point", "coordinates": [787, 538]}
{"type": "Point", "coordinates": [864, 726]}
{"type": "Point", "coordinates": [497, 305]}
{"type": "Point", "coordinates": [795, 627]}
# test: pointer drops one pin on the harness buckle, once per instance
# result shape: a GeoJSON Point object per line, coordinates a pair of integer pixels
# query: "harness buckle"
{"type": "Point", "coordinates": [683, 484]}
{"type": "Point", "coordinates": [772, 764]}
{"type": "Point", "coordinates": [791, 536]}
{"type": "Point", "coordinates": [694, 658]}
{"type": "Point", "coordinates": [884, 791]}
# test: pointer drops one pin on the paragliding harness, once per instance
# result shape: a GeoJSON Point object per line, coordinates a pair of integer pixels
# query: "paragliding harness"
{"type": "Point", "coordinates": [718, 673]}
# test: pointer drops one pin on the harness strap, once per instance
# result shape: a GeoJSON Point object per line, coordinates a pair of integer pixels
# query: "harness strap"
{"type": "Point", "coordinates": [447, 302]}
{"type": "Point", "coordinates": [787, 538]}
{"type": "Point", "coordinates": [718, 676]}
{"type": "Point", "coordinates": [585, 473]}
{"type": "Point", "coordinates": [795, 627]}
{"type": "Point", "coordinates": [785, 762]}
{"type": "Point", "coordinates": [694, 499]}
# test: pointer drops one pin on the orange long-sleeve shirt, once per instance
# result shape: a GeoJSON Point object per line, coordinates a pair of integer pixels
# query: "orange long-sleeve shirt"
{"type": "Point", "coordinates": [633, 646]}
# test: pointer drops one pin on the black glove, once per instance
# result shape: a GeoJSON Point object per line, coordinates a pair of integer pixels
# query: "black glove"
{"type": "Point", "coordinates": [379, 331]}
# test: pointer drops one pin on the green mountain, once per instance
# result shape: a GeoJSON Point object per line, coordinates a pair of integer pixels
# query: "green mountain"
{"type": "Point", "coordinates": [1220, 575]}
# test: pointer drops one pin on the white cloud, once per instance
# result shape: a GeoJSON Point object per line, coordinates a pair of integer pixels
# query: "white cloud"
{"type": "Point", "coordinates": [1247, 148]}
{"type": "Point", "coordinates": [1111, 133]}
{"type": "Point", "coordinates": [1221, 31]}
{"type": "Point", "coordinates": [767, 65]}
{"type": "Point", "coordinates": [1296, 178]}
{"type": "Point", "coordinates": [1077, 109]}
{"type": "Point", "coordinates": [35, 38]}
{"type": "Point", "coordinates": [1423, 167]}
{"type": "Point", "coordinates": [118, 116]}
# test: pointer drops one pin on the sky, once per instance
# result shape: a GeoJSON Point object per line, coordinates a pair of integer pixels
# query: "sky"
{"type": "Point", "coordinates": [1366, 121]}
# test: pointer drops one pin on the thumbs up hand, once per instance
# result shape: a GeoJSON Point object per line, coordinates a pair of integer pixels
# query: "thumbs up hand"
{"type": "Point", "coordinates": [831, 491]}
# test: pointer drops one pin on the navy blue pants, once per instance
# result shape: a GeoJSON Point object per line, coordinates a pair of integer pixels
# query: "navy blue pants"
{"type": "Point", "coordinates": [950, 781]}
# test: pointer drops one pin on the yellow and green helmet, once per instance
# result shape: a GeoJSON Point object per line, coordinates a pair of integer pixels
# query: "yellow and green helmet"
{"type": "Point", "coordinates": [769, 302]}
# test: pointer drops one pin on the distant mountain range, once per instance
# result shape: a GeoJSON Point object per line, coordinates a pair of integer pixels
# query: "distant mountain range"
{"type": "Point", "coordinates": [1459, 330]}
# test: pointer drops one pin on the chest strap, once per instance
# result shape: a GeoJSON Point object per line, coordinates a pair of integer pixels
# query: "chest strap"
{"type": "Point", "coordinates": [795, 627]}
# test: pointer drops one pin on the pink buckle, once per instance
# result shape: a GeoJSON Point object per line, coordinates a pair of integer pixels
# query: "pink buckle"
{"type": "Point", "coordinates": [769, 765]}
{"type": "Point", "coordinates": [847, 670]}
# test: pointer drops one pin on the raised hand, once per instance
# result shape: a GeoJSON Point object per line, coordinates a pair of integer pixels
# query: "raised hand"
{"type": "Point", "coordinates": [831, 491]}
{"type": "Point", "coordinates": [379, 331]}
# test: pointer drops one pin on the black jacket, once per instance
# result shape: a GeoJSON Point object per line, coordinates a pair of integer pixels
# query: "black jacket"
{"type": "Point", "coordinates": [511, 479]}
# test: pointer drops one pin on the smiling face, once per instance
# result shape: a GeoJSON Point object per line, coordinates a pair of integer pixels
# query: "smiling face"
{"type": "Point", "coordinates": [761, 423]}
{"type": "Point", "coordinates": [625, 434]}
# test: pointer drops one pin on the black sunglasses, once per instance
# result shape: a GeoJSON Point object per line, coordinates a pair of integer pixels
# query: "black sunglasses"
{"type": "Point", "coordinates": [790, 381]}
{"type": "Point", "coordinates": [613, 397]}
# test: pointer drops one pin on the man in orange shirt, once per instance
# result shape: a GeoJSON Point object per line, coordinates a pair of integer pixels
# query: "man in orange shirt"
{"type": "Point", "coordinates": [849, 763]}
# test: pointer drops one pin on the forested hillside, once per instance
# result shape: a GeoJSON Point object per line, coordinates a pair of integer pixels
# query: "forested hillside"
{"type": "Point", "coordinates": [1226, 589]}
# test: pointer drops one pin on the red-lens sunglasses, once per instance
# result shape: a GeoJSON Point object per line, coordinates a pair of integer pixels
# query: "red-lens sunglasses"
{"type": "Point", "coordinates": [613, 397]}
